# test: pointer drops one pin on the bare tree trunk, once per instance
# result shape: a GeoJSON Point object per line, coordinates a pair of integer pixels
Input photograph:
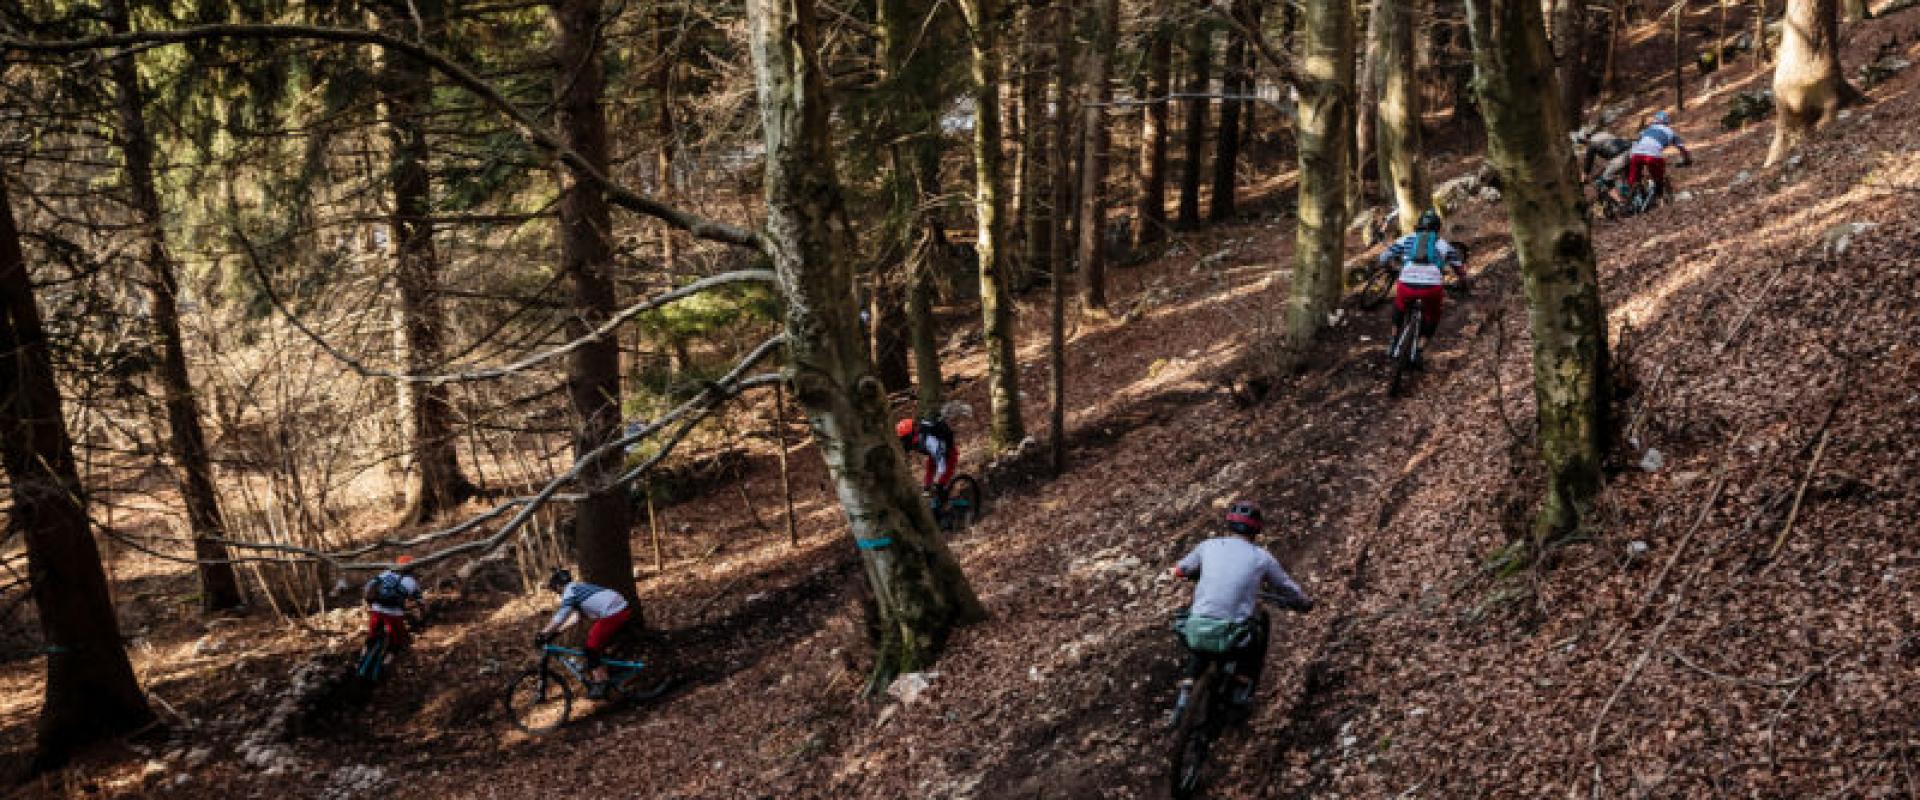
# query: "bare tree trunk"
{"type": "Point", "coordinates": [1152, 210]}
{"type": "Point", "coordinates": [1366, 111]}
{"type": "Point", "coordinates": [918, 590]}
{"type": "Point", "coordinates": [1063, 116]}
{"type": "Point", "coordinates": [1808, 87]}
{"type": "Point", "coordinates": [1857, 10]}
{"type": "Point", "coordinates": [917, 180]}
{"type": "Point", "coordinates": [892, 334]}
{"type": "Point", "coordinates": [1199, 46]}
{"type": "Point", "coordinates": [1323, 131]}
{"type": "Point", "coordinates": [219, 586]}
{"type": "Point", "coordinates": [996, 309]}
{"type": "Point", "coordinates": [1236, 74]}
{"type": "Point", "coordinates": [433, 481]}
{"type": "Point", "coordinates": [663, 28]}
{"type": "Point", "coordinates": [1094, 154]}
{"type": "Point", "coordinates": [1403, 165]}
{"type": "Point", "coordinates": [1527, 145]}
{"type": "Point", "coordinates": [601, 524]}
{"type": "Point", "coordinates": [91, 693]}
{"type": "Point", "coordinates": [1035, 216]}
{"type": "Point", "coordinates": [1570, 56]}
{"type": "Point", "coordinates": [1761, 55]}
{"type": "Point", "coordinates": [1679, 57]}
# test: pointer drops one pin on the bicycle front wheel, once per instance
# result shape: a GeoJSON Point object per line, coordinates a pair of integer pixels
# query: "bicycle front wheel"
{"type": "Point", "coordinates": [965, 502]}
{"type": "Point", "coordinates": [539, 700]}
{"type": "Point", "coordinates": [372, 661]}
{"type": "Point", "coordinates": [1193, 739]}
{"type": "Point", "coordinates": [1406, 345]}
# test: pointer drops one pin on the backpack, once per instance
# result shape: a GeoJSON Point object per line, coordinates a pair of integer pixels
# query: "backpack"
{"type": "Point", "coordinates": [1211, 635]}
{"type": "Point", "coordinates": [386, 590]}
{"type": "Point", "coordinates": [935, 427]}
{"type": "Point", "coordinates": [1425, 249]}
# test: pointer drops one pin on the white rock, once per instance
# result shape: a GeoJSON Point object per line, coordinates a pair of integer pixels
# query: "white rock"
{"type": "Point", "coordinates": [908, 688]}
{"type": "Point", "coordinates": [1682, 196]}
{"type": "Point", "coordinates": [1652, 460]}
{"type": "Point", "coordinates": [209, 645]}
{"type": "Point", "coordinates": [1637, 548]}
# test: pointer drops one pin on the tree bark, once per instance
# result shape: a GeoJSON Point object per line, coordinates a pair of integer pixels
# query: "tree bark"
{"type": "Point", "coordinates": [1808, 87]}
{"type": "Point", "coordinates": [1235, 76]}
{"type": "Point", "coordinates": [433, 481]}
{"type": "Point", "coordinates": [91, 692]}
{"type": "Point", "coordinates": [1323, 132]}
{"type": "Point", "coordinates": [1366, 111]}
{"type": "Point", "coordinates": [918, 590]}
{"type": "Point", "coordinates": [1034, 213]}
{"type": "Point", "coordinates": [996, 308]}
{"type": "Point", "coordinates": [601, 524]}
{"type": "Point", "coordinates": [892, 334]}
{"type": "Point", "coordinates": [1527, 144]}
{"type": "Point", "coordinates": [1402, 164]}
{"type": "Point", "coordinates": [1152, 210]}
{"type": "Point", "coordinates": [219, 587]}
{"type": "Point", "coordinates": [1857, 11]}
{"type": "Point", "coordinates": [1570, 56]}
{"type": "Point", "coordinates": [1199, 47]}
{"type": "Point", "coordinates": [916, 177]}
{"type": "Point", "coordinates": [1095, 145]}
{"type": "Point", "coordinates": [1063, 183]}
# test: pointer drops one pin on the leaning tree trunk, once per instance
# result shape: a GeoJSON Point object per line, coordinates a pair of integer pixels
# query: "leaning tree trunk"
{"type": "Point", "coordinates": [219, 587]}
{"type": "Point", "coordinates": [1808, 87]}
{"type": "Point", "coordinates": [433, 480]}
{"type": "Point", "coordinates": [1062, 183]}
{"type": "Point", "coordinates": [1403, 167]}
{"type": "Point", "coordinates": [1095, 144]}
{"type": "Point", "coordinates": [1527, 144]}
{"type": "Point", "coordinates": [1005, 429]}
{"type": "Point", "coordinates": [601, 525]}
{"type": "Point", "coordinates": [1323, 130]}
{"type": "Point", "coordinates": [919, 592]}
{"type": "Point", "coordinates": [1236, 75]}
{"type": "Point", "coordinates": [1199, 45]}
{"type": "Point", "coordinates": [1152, 210]}
{"type": "Point", "coordinates": [91, 693]}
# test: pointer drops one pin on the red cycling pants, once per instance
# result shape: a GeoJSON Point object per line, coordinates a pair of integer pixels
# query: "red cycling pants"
{"type": "Point", "coordinates": [1430, 297]}
{"type": "Point", "coordinates": [603, 630]}
{"type": "Point", "coordinates": [953, 468]}
{"type": "Point", "coordinates": [395, 625]}
{"type": "Point", "coordinates": [1655, 166]}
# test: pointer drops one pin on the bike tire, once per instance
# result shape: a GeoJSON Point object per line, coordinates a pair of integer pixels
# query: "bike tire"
{"type": "Point", "coordinates": [370, 667]}
{"type": "Point", "coordinates": [1193, 738]}
{"type": "Point", "coordinates": [965, 503]}
{"type": "Point", "coordinates": [539, 700]}
{"type": "Point", "coordinates": [1406, 344]}
{"type": "Point", "coordinates": [1377, 286]}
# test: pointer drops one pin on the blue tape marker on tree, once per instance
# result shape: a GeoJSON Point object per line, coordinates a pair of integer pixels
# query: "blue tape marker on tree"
{"type": "Point", "coordinates": [874, 544]}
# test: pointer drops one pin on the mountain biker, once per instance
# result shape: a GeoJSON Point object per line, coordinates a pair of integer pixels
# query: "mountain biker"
{"type": "Point", "coordinates": [1225, 618]}
{"type": "Point", "coordinates": [1650, 151]}
{"type": "Point", "coordinates": [388, 596]}
{"type": "Point", "coordinates": [605, 607]}
{"type": "Point", "coordinates": [933, 438]}
{"type": "Point", "coordinates": [1422, 255]}
{"type": "Point", "coordinates": [1608, 149]}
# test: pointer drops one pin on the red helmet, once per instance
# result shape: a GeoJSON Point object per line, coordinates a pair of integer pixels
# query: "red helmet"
{"type": "Point", "coordinates": [904, 428]}
{"type": "Point", "coordinates": [1244, 518]}
{"type": "Point", "coordinates": [403, 560]}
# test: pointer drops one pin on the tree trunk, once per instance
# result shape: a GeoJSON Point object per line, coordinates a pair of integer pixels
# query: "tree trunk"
{"type": "Point", "coordinates": [1808, 87]}
{"type": "Point", "coordinates": [1236, 74]}
{"type": "Point", "coordinates": [1679, 58]}
{"type": "Point", "coordinates": [1366, 111]}
{"type": "Point", "coordinates": [1094, 154]}
{"type": "Point", "coordinates": [1035, 216]}
{"type": "Point", "coordinates": [1527, 145]}
{"type": "Point", "coordinates": [1199, 46]}
{"type": "Point", "coordinates": [1761, 55]}
{"type": "Point", "coordinates": [916, 176]}
{"type": "Point", "coordinates": [1152, 211]}
{"type": "Point", "coordinates": [1402, 165]}
{"type": "Point", "coordinates": [1323, 131]}
{"type": "Point", "coordinates": [91, 693]}
{"type": "Point", "coordinates": [1857, 10]}
{"type": "Point", "coordinates": [1570, 56]}
{"type": "Point", "coordinates": [601, 525]}
{"type": "Point", "coordinates": [918, 590]}
{"type": "Point", "coordinates": [433, 481]}
{"type": "Point", "coordinates": [1063, 183]}
{"type": "Point", "coordinates": [219, 587]}
{"type": "Point", "coordinates": [996, 308]}
{"type": "Point", "coordinates": [892, 335]}
{"type": "Point", "coordinates": [664, 27]}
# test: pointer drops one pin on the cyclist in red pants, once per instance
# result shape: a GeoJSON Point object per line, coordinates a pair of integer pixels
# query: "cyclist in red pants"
{"type": "Point", "coordinates": [934, 439]}
{"type": "Point", "coordinates": [1650, 152]}
{"type": "Point", "coordinates": [388, 597]}
{"type": "Point", "coordinates": [1422, 255]}
{"type": "Point", "coordinates": [605, 607]}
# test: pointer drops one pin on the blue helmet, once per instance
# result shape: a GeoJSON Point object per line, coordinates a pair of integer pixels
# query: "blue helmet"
{"type": "Point", "coordinates": [1663, 118]}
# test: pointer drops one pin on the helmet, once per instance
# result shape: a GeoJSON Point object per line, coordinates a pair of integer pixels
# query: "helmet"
{"type": "Point", "coordinates": [559, 579]}
{"type": "Point", "coordinates": [904, 428]}
{"type": "Point", "coordinates": [1243, 517]}
{"type": "Point", "coordinates": [403, 562]}
{"type": "Point", "coordinates": [1663, 118]}
{"type": "Point", "coordinates": [1429, 221]}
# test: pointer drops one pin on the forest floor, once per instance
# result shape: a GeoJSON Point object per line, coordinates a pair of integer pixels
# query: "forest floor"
{"type": "Point", "coordinates": [1768, 374]}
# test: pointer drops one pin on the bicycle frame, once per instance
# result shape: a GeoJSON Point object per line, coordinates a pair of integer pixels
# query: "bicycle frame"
{"type": "Point", "coordinates": [575, 663]}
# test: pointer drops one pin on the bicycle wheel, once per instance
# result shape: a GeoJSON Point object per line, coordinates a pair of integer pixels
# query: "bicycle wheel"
{"type": "Point", "coordinates": [1376, 287]}
{"type": "Point", "coordinates": [539, 700]}
{"type": "Point", "coordinates": [965, 503]}
{"type": "Point", "coordinates": [1193, 739]}
{"type": "Point", "coordinates": [1406, 345]}
{"type": "Point", "coordinates": [372, 661]}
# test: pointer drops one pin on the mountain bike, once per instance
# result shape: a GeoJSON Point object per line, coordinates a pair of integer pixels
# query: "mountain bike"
{"type": "Point", "coordinates": [1405, 350]}
{"type": "Point", "coordinates": [1209, 709]}
{"type": "Point", "coordinates": [540, 699]}
{"type": "Point", "coordinates": [1375, 283]}
{"type": "Point", "coordinates": [370, 665]}
{"type": "Point", "coordinates": [965, 503]}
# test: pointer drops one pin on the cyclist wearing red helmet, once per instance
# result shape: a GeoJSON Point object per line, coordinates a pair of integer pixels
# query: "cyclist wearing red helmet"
{"type": "Point", "coordinates": [1225, 618]}
{"type": "Point", "coordinates": [388, 596]}
{"type": "Point", "coordinates": [933, 438]}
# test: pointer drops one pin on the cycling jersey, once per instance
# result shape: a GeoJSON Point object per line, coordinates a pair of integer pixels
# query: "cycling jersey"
{"type": "Point", "coordinates": [1420, 263]}
{"type": "Point", "coordinates": [941, 458]}
{"type": "Point", "coordinates": [409, 589]}
{"type": "Point", "coordinates": [1655, 140]}
{"type": "Point", "coordinates": [587, 600]}
{"type": "Point", "coordinates": [1231, 570]}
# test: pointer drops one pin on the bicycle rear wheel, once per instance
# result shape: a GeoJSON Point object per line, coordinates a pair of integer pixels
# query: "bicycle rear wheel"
{"type": "Point", "coordinates": [539, 700]}
{"type": "Point", "coordinates": [1193, 739]}
{"type": "Point", "coordinates": [965, 502]}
